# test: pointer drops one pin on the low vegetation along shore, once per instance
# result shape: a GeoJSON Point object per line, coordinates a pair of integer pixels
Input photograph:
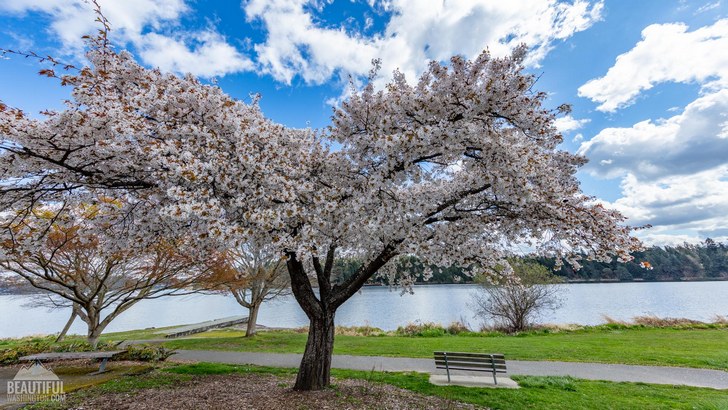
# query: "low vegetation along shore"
{"type": "Point", "coordinates": [156, 383]}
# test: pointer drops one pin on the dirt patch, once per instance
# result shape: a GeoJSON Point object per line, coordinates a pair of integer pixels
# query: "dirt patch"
{"type": "Point", "coordinates": [269, 392]}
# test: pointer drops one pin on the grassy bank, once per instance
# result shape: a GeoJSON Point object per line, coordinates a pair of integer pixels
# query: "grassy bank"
{"type": "Point", "coordinates": [562, 393]}
{"type": "Point", "coordinates": [703, 348]}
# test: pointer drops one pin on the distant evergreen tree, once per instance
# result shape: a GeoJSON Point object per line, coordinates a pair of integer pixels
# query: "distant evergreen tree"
{"type": "Point", "coordinates": [706, 260]}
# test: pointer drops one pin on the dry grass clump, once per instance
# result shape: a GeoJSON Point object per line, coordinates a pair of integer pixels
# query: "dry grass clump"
{"type": "Point", "coordinates": [425, 329]}
{"type": "Point", "coordinates": [457, 327]}
{"type": "Point", "coordinates": [560, 327]}
{"type": "Point", "coordinates": [654, 321]}
{"type": "Point", "coordinates": [430, 329]}
{"type": "Point", "coordinates": [661, 322]}
{"type": "Point", "coordinates": [612, 321]}
{"type": "Point", "coordinates": [491, 329]}
{"type": "Point", "coordinates": [720, 320]}
{"type": "Point", "coordinates": [365, 330]}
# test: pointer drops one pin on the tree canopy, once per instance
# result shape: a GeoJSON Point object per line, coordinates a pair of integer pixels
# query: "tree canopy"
{"type": "Point", "coordinates": [457, 168]}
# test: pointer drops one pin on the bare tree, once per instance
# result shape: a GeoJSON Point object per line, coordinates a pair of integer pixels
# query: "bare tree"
{"type": "Point", "coordinates": [97, 283]}
{"type": "Point", "coordinates": [252, 274]}
{"type": "Point", "coordinates": [513, 303]}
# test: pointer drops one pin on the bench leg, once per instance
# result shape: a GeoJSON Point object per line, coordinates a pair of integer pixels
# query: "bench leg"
{"type": "Point", "coordinates": [102, 367]}
{"type": "Point", "coordinates": [447, 368]}
{"type": "Point", "coordinates": [492, 365]}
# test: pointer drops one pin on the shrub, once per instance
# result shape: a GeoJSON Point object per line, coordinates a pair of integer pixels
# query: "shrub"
{"type": "Point", "coordinates": [427, 329]}
{"type": "Point", "coordinates": [29, 346]}
{"type": "Point", "coordinates": [34, 345]}
{"type": "Point", "coordinates": [514, 302]}
{"type": "Point", "coordinates": [457, 327]}
{"type": "Point", "coordinates": [12, 354]}
{"type": "Point", "coordinates": [145, 353]}
{"type": "Point", "coordinates": [365, 330]}
{"type": "Point", "coordinates": [654, 321]}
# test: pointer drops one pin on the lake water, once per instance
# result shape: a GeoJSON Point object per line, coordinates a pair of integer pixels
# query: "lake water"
{"type": "Point", "coordinates": [380, 307]}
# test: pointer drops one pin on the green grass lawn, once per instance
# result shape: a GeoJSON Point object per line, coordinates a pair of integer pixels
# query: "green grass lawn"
{"type": "Point", "coordinates": [704, 348]}
{"type": "Point", "coordinates": [557, 393]}
{"type": "Point", "coordinates": [689, 347]}
{"type": "Point", "coordinates": [550, 393]}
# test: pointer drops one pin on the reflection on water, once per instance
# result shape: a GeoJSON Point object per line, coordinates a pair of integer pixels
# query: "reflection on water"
{"type": "Point", "coordinates": [386, 309]}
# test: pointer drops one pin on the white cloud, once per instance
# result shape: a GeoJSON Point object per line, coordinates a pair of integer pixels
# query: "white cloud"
{"type": "Point", "coordinates": [674, 172]}
{"type": "Point", "coordinates": [707, 7]}
{"type": "Point", "coordinates": [667, 52]}
{"type": "Point", "coordinates": [568, 123]}
{"type": "Point", "coordinates": [417, 32]}
{"type": "Point", "coordinates": [204, 53]}
{"type": "Point", "coordinates": [693, 141]}
{"type": "Point", "coordinates": [665, 238]}
{"type": "Point", "coordinates": [696, 203]}
{"type": "Point", "coordinates": [211, 57]}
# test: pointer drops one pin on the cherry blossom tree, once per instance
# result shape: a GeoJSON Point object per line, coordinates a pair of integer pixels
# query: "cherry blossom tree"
{"type": "Point", "coordinates": [458, 168]}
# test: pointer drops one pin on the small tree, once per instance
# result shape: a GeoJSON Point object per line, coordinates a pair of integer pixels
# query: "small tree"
{"type": "Point", "coordinates": [77, 269]}
{"type": "Point", "coordinates": [252, 274]}
{"type": "Point", "coordinates": [514, 302]}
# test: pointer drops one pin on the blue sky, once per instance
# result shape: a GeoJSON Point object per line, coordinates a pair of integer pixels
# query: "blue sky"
{"type": "Point", "coordinates": [648, 79]}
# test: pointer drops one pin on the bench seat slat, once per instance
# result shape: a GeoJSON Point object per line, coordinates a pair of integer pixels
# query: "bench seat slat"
{"type": "Point", "coordinates": [473, 370]}
{"type": "Point", "coordinates": [461, 364]}
{"type": "Point", "coordinates": [473, 365]}
{"type": "Point", "coordinates": [470, 360]}
{"type": "Point", "coordinates": [465, 359]}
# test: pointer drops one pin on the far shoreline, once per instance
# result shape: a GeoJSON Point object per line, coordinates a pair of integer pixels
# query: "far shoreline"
{"type": "Point", "coordinates": [580, 281]}
{"type": "Point", "coordinates": [566, 282]}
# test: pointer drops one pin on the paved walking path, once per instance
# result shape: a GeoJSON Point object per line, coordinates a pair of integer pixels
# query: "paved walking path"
{"type": "Point", "coordinates": [715, 379]}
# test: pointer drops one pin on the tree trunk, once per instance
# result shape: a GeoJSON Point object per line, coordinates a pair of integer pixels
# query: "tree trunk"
{"type": "Point", "coordinates": [93, 339]}
{"type": "Point", "coordinates": [94, 330]}
{"type": "Point", "coordinates": [315, 370]}
{"type": "Point", "coordinates": [62, 335]}
{"type": "Point", "coordinates": [252, 319]}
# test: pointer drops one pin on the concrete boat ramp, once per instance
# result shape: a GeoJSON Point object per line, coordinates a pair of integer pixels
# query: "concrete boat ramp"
{"type": "Point", "coordinates": [203, 326]}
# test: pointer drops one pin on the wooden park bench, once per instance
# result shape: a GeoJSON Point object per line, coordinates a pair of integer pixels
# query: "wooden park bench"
{"type": "Point", "coordinates": [474, 362]}
{"type": "Point", "coordinates": [104, 356]}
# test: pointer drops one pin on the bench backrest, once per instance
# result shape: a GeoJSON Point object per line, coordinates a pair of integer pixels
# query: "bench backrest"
{"type": "Point", "coordinates": [477, 362]}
